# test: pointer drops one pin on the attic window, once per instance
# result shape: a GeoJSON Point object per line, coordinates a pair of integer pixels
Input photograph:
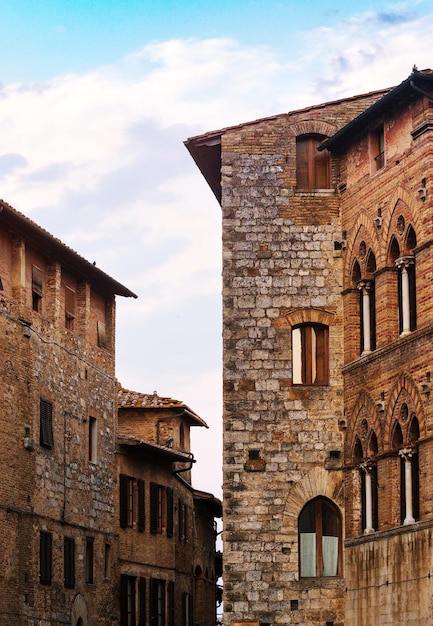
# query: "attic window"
{"type": "Point", "coordinates": [37, 282]}
{"type": "Point", "coordinates": [377, 149]}
{"type": "Point", "coordinates": [69, 308]}
{"type": "Point", "coordinates": [102, 335]}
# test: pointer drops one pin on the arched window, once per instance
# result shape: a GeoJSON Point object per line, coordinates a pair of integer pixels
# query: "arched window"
{"type": "Point", "coordinates": [312, 166]}
{"type": "Point", "coordinates": [310, 354]}
{"type": "Point", "coordinates": [409, 476]}
{"type": "Point", "coordinates": [319, 528]}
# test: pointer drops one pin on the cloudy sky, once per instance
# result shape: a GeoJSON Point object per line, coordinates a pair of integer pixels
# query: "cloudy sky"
{"type": "Point", "coordinates": [96, 99]}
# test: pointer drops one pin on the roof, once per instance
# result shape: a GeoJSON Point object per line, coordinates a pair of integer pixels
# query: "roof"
{"type": "Point", "coordinates": [206, 149]}
{"type": "Point", "coordinates": [210, 500]}
{"type": "Point", "coordinates": [146, 446]}
{"type": "Point", "coordinates": [128, 399]}
{"type": "Point", "coordinates": [52, 248]}
{"type": "Point", "coordinates": [415, 83]}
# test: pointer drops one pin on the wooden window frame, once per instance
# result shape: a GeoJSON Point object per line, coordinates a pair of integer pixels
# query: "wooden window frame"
{"type": "Point", "coordinates": [37, 288]}
{"type": "Point", "coordinates": [313, 361]}
{"type": "Point", "coordinates": [70, 307]}
{"type": "Point", "coordinates": [377, 149]}
{"type": "Point", "coordinates": [158, 595]}
{"type": "Point", "coordinates": [126, 495]}
{"type": "Point", "coordinates": [318, 504]}
{"type": "Point", "coordinates": [312, 167]}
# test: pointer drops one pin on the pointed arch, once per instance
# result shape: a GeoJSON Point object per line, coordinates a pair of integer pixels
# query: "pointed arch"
{"type": "Point", "coordinates": [402, 194]}
{"type": "Point", "coordinates": [407, 385]}
{"type": "Point", "coordinates": [363, 408]}
{"type": "Point", "coordinates": [363, 229]}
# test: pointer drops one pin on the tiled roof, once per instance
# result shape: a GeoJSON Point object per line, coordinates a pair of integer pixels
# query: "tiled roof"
{"type": "Point", "coordinates": [128, 399]}
{"type": "Point", "coordinates": [140, 444]}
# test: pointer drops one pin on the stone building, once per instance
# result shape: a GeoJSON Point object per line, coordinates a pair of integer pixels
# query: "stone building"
{"type": "Point", "coordinates": [59, 467]}
{"type": "Point", "coordinates": [327, 329]}
{"type": "Point", "coordinates": [167, 529]}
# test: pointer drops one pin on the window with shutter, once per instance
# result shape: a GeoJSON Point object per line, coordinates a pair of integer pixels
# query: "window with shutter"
{"type": "Point", "coordinates": [141, 509]}
{"type": "Point", "coordinates": [312, 166]}
{"type": "Point", "coordinates": [127, 600]}
{"type": "Point", "coordinates": [142, 601]}
{"type": "Point", "coordinates": [37, 286]}
{"type": "Point", "coordinates": [170, 512]}
{"type": "Point", "coordinates": [46, 438]}
{"type": "Point", "coordinates": [69, 562]}
{"type": "Point", "coordinates": [90, 554]}
{"type": "Point", "coordinates": [126, 493]}
{"type": "Point", "coordinates": [70, 298]}
{"type": "Point", "coordinates": [170, 603]}
{"type": "Point", "coordinates": [157, 602]}
{"type": "Point", "coordinates": [310, 354]}
{"type": "Point", "coordinates": [45, 557]}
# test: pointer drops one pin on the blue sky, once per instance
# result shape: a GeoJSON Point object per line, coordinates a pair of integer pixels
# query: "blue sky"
{"type": "Point", "coordinates": [96, 99]}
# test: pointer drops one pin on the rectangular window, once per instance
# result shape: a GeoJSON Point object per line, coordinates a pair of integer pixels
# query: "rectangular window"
{"type": "Point", "coordinates": [70, 298]}
{"type": "Point", "coordinates": [93, 438]}
{"type": "Point", "coordinates": [69, 562]}
{"type": "Point", "coordinates": [157, 602]}
{"type": "Point", "coordinates": [310, 354]}
{"type": "Point", "coordinates": [37, 288]}
{"type": "Point", "coordinates": [142, 601]}
{"type": "Point", "coordinates": [90, 554]}
{"type": "Point", "coordinates": [312, 166]}
{"type": "Point", "coordinates": [102, 335]}
{"type": "Point", "coordinates": [183, 521]}
{"type": "Point", "coordinates": [45, 557]}
{"type": "Point", "coordinates": [107, 561]}
{"type": "Point", "coordinates": [126, 492]}
{"type": "Point", "coordinates": [377, 149]}
{"type": "Point", "coordinates": [46, 438]}
{"type": "Point", "coordinates": [127, 600]}
{"type": "Point", "coordinates": [141, 510]}
{"type": "Point", "coordinates": [161, 510]}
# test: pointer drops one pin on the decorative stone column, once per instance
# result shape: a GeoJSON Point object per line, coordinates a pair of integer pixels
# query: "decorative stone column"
{"type": "Point", "coordinates": [403, 263]}
{"type": "Point", "coordinates": [407, 454]}
{"type": "Point", "coordinates": [367, 469]}
{"type": "Point", "coordinates": [364, 287]}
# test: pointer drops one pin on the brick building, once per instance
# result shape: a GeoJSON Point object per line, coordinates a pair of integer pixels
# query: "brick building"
{"type": "Point", "coordinates": [59, 467]}
{"type": "Point", "coordinates": [327, 329]}
{"type": "Point", "coordinates": [168, 575]}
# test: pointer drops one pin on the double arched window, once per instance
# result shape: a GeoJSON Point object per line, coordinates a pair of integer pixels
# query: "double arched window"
{"type": "Point", "coordinates": [319, 527]}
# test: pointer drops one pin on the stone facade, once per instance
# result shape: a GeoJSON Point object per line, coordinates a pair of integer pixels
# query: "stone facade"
{"type": "Point", "coordinates": [326, 369]}
{"type": "Point", "coordinates": [60, 458]}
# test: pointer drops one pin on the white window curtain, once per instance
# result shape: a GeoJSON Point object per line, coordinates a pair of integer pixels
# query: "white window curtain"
{"type": "Point", "coordinates": [308, 554]}
{"type": "Point", "coordinates": [330, 556]}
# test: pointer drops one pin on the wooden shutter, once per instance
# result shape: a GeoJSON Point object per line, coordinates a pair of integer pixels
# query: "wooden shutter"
{"type": "Point", "coordinates": [170, 512]}
{"type": "Point", "coordinates": [142, 601]}
{"type": "Point", "coordinates": [46, 423]}
{"type": "Point", "coordinates": [69, 562]}
{"type": "Point", "coordinates": [141, 510]}
{"type": "Point", "coordinates": [123, 600]}
{"type": "Point", "coordinates": [45, 557]}
{"type": "Point", "coordinates": [153, 508]}
{"type": "Point", "coordinates": [124, 500]}
{"type": "Point", "coordinates": [170, 592]}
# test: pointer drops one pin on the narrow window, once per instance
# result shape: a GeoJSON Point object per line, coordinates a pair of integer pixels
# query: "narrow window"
{"type": "Point", "coordinates": [93, 439]}
{"type": "Point", "coordinates": [37, 289]}
{"type": "Point", "coordinates": [310, 354]}
{"type": "Point", "coordinates": [141, 508]}
{"type": "Point", "coordinates": [90, 547]}
{"type": "Point", "coordinates": [170, 603]}
{"type": "Point", "coordinates": [102, 335]}
{"type": "Point", "coordinates": [126, 492]}
{"type": "Point", "coordinates": [369, 498]}
{"type": "Point", "coordinates": [183, 521]}
{"type": "Point", "coordinates": [377, 149]}
{"type": "Point", "coordinates": [170, 512]}
{"type": "Point", "coordinates": [45, 557]}
{"type": "Point", "coordinates": [186, 609]}
{"type": "Point", "coordinates": [319, 539]}
{"type": "Point", "coordinates": [157, 602]}
{"type": "Point", "coordinates": [127, 600]}
{"type": "Point", "coordinates": [312, 166]}
{"type": "Point", "coordinates": [107, 561]}
{"type": "Point", "coordinates": [69, 562]}
{"type": "Point", "coordinates": [69, 308]}
{"type": "Point", "coordinates": [46, 438]}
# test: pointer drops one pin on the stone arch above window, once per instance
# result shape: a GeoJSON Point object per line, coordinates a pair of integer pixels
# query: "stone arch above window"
{"type": "Point", "coordinates": [313, 170]}
{"type": "Point", "coordinates": [319, 526]}
{"type": "Point", "coordinates": [294, 317]}
{"type": "Point", "coordinates": [404, 392]}
{"type": "Point", "coordinates": [362, 424]}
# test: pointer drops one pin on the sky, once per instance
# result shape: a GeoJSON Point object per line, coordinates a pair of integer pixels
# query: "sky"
{"type": "Point", "coordinates": [96, 100]}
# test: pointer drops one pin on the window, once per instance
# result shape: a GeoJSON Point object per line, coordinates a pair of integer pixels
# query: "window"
{"type": "Point", "coordinates": [142, 601]}
{"type": "Point", "coordinates": [90, 559]}
{"type": "Point", "coordinates": [312, 166]}
{"type": "Point", "coordinates": [157, 602]}
{"type": "Point", "coordinates": [369, 497]}
{"type": "Point", "coordinates": [183, 521]}
{"type": "Point", "coordinates": [107, 561]}
{"type": "Point", "coordinates": [310, 354]}
{"type": "Point", "coordinates": [319, 539]}
{"type": "Point", "coordinates": [377, 149]}
{"type": "Point", "coordinates": [69, 562]}
{"type": "Point", "coordinates": [46, 438]}
{"type": "Point", "coordinates": [406, 294]}
{"type": "Point", "coordinates": [127, 600]}
{"type": "Point", "coordinates": [132, 502]}
{"type": "Point", "coordinates": [102, 335]}
{"type": "Point", "coordinates": [92, 439]}
{"type": "Point", "coordinates": [170, 603]}
{"type": "Point", "coordinates": [186, 609]}
{"type": "Point", "coordinates": [37, 285]}
{"type": "Point", "coordinates": [69, 308]}
{"type": "Point", "coordinates": [45, 557]}
{"type": "Point", "coordinates": [161, 510]}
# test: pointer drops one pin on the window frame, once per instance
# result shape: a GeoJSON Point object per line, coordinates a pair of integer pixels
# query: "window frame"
{"type": "Point", "coordinates": [310, 354]}
{"type": "Point", "coordinates": [318, 503]}
{"type": "Point", "coordinates": [313, 168]}
{"type": "Point", "coordinates": [69, 562]}
{"type": "Point", "coordinates": [90, 561]}
{"type": "Point", "coordinates": [45, 557]}
{"type": "Point", "coordinates": [46, 436]}
{"type": "Point", "coordinates": [93, 440]}
{"type": "Point", "coordinates": [37, 288]}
